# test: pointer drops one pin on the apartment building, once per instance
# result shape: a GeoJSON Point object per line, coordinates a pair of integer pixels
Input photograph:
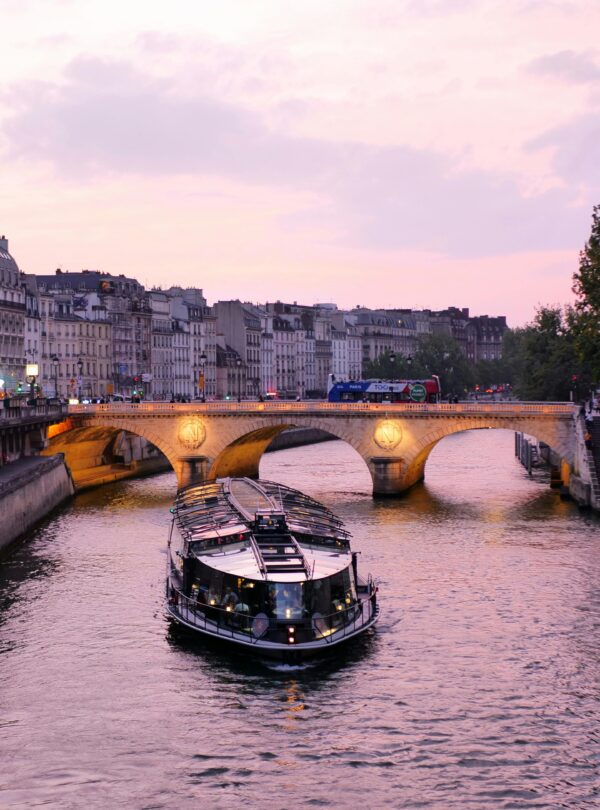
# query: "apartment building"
{"type": "Point", "coordinates": [12, 321]}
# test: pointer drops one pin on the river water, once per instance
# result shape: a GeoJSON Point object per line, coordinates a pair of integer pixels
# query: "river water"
{"type": "Point", "coordinates": [479, 688]}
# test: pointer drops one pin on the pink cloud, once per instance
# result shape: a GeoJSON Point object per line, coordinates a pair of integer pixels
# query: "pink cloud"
{"type": "Point", "coordinates": [108, 118]}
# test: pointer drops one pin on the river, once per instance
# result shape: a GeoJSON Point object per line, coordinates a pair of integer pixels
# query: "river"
{"type": "Point", "coordinates": [479, 688]}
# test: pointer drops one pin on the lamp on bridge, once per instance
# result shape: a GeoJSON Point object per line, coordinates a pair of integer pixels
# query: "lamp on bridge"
{"type": "Point", "coordinates": [392, 358]}
{"type": "Point", "coordinates": [238, 363]}
{"type": "Point", "coordinates": [80, 370]}
{"type": "Point", "coordinates": [55, 363]}
{"type": "Point", "coordinates": [203, 359]}
{"type": "Point", "coordinates": [32, 370]}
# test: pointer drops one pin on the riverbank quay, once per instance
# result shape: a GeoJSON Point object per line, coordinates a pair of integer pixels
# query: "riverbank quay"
{"type": "Point", "coordinates": [30, 489]}
{"type": "Point", "coordinates": [581, 482]}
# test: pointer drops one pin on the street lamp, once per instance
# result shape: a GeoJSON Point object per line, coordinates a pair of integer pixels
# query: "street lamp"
{"type": "Point", "coordinates": [392, 358]}
{"type": "Point", "coordinates": [32, 371]}
{"type": "Point", "coordinates": [238, 363]}
{"type": "Point", "coordinates": [55, 362]}
{"type": "Point", "coordinates": [80, 369]}
{"type": "Point", "coordinates": [203, 359]}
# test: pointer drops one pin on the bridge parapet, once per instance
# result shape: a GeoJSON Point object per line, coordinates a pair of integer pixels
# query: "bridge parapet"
{"type": "Point", "coordinates": [496, 408]}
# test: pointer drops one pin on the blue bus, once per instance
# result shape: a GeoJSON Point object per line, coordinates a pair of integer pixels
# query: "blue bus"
{"type": "Point", "coordinates": [384, 390]}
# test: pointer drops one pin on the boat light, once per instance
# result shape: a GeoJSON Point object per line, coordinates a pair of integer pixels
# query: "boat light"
{"type": "Point", "coordinates": [228, 608]}
{"type": "Point", "coordinates": [212, 601]}
{"type": "Point", "coordinates": [288, 613]}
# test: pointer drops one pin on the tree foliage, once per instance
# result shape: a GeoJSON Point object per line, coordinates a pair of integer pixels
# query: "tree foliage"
{"type": "Point", "coordinates": [441, 354]}
{"type": "Point", "coordinates": [584, 317]}
{"type": "Point", "coordinates": [435, 354]}
{"type": "Point", "coordinates": [543, 358]}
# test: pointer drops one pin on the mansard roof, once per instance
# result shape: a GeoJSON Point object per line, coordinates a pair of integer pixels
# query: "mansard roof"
{"type": "Point", "coordinates": [7, 263]}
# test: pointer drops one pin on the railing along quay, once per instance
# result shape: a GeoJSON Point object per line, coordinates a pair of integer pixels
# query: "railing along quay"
{"type": "Point", "coordinates": [14, 411]}
{"type": "Point", "coordinates": [467, 408]}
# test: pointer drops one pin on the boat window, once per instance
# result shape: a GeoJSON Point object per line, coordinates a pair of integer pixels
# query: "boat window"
{"type": "Point", "coordinates": [331, 595]}
{"type": "Point", "coordinates": [286, 600]}
{"type": "Point", "coordinates": [270, 523]}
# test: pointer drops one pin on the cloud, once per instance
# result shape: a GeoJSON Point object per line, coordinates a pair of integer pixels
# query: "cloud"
{"type": "Point", "coordinates": [159, 41]}
{"type": "Point", "coordinates": [576, 150]}
{"type": "Point", "coordinates": [108, 118]}
{"type": "Point", "coordinates": [577, 68]}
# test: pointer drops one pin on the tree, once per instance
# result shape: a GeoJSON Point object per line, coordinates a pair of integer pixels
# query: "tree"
{"type": "Point", "coordinates": [442, 355]}
{"type": "Point", "coordinates": [543, 358]}
{"type": "Point", "coordinates": [435, 354]}
{"type": "Point", "coordinates": [384, 369]}
{"type": "Point", "coordinates": [584, 317]}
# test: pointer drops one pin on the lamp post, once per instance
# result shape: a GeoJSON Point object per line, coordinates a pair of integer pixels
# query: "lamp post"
{"type": "Point", "coordinates": [203, 359]}
{"type": "Point", "coordinates": [392, 357]}
{"type": "Point", "coordinates": [55, 362]}
{"type": "Point", "coordinates": [238, 363]}
{"type": "Point", "coordinates": [80, 369]}
{"type": "Point", "coordinates": [32, 371]}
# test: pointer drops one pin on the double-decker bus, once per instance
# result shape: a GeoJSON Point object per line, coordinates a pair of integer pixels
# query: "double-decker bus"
{"type": "Point", "coordinates": [384, 390]}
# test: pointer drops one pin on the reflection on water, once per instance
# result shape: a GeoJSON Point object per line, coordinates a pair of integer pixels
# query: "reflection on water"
{"type": "Point", "coordinates": [479, 688]}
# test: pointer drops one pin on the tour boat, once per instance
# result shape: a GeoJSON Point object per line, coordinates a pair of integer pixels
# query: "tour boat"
{"type": "Point", "coordinates": [266, 568]}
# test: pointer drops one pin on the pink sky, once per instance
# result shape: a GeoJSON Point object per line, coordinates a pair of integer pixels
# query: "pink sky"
{"type": "Point", "coordinates": [411, 153]}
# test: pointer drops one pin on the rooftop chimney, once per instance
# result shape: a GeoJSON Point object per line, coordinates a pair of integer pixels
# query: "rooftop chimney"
{"type": "Point", "coordinates": [4, 243]}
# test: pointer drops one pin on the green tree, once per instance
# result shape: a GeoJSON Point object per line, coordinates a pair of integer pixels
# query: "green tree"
{"type": "Point", "coordinates": [442, 355]}
{"type": "Point", "coordinates": [584, 317]}
{"type": "Point", "coordinates": [542, 356]}
{"type": "Point", "coordinates": [435, 354]}
{"type": "Point", "coordinates": [401, 368]}
{"type": "Point", "coordinates": [489, 373]}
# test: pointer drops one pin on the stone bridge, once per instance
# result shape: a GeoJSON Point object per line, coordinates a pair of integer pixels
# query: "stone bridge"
{"type": "Point", "coordinates": [214, 439]}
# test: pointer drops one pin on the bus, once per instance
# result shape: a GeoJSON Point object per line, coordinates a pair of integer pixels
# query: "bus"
{"type": "Point", "coordinates": [384, 390]}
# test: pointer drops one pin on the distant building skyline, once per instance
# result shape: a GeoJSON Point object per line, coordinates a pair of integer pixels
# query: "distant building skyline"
{"type": "Point", "coordinates": [93, 334]}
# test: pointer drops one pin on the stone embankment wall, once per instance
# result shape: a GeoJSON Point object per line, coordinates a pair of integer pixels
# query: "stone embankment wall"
{"type": "Point", "coordinates": [583, 484]}
{"type": "Point", "coordinates": [29, 490]}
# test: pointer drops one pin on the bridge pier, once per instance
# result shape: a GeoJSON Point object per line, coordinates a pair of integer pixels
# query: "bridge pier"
{"type": "Point", "coordinates": [391, 476]}
{"type": "Point", "coordinates": [191, 470]}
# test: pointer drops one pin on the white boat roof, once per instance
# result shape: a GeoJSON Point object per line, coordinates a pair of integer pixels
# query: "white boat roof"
{"type": "Point", "coordinates": [241, 562]}
{"type": "Point", "coordinates": [217, 520]}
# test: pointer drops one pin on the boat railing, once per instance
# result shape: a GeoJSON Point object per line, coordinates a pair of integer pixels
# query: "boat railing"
{"type": "Point", "coordinates": [227, 622]}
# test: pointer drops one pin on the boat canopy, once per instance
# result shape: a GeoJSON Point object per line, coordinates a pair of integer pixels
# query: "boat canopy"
{"type": "Point", "coordinates": [228, 507]}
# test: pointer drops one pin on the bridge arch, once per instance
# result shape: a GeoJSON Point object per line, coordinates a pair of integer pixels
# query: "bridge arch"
{"type": "Point", "coordinates": [541, 430]}
{"type": "Point", "coordinates": [90, 447]}
{"type": "Point", "coordinates": [242, 454]}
